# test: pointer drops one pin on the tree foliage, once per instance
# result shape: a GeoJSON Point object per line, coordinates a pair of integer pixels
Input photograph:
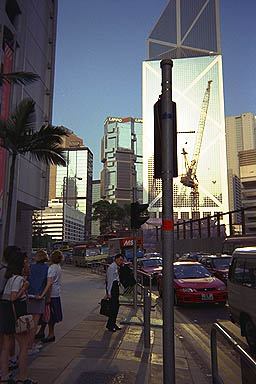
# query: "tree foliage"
{"type": "Point", "coordinates": [110, 215]}
{"type": "Point", "coordinates": [19, 136]}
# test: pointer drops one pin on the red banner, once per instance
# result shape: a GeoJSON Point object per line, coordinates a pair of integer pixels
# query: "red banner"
{"type": "Point", "coordinates": [4, 114]}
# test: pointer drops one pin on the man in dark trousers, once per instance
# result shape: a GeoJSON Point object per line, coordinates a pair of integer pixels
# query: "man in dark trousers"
{"type": "Point", "coordinates": [112, 286]}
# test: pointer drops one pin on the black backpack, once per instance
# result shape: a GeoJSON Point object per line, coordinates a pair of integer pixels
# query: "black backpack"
{"type": "Point", "coordinates": [126, 276]}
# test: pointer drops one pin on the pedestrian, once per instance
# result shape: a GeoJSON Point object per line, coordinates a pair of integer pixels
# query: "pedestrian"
{"type": "Point", "coordinates": [52, 292]}
{"type": "Point", "coordinates": [9, 253]}
{"type": "Point", "coordinates": [14, 294]}
{"type": "Point", "coordinates": [36, 306]}
{"type": "Point", "coordinates": [112, 288]}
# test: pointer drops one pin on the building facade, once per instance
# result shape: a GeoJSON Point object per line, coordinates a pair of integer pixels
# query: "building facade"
{"type": "Point", "coordinates": [27, 43]}
{"type": "Point", "coordinates": [95, 198]}
{"type": "Point", "coordinates": [247, 164]}
{"type": "Point", "coordinates": [186, 29]}
{"type": "Point", "coordinates": [240, 136]}
{"type": "Point", "coordinates": [74, 182]}
{"type": "Point", "coordinates": [121, 154]}
{"type": "Point", "coordinates": [188, 33]}
{"type": "Point", "coordinates": [61, 221]}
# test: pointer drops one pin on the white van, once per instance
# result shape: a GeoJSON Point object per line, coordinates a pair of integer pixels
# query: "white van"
{"type": "Point", "coordinates": [242, 292]}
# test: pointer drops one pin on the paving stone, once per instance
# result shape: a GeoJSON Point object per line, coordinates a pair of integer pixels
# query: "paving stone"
{"type": "Point", "coordinates": [105, 378]}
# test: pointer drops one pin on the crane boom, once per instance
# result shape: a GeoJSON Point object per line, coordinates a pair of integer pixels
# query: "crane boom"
{"type": "Point", "coordinates": [190, 179]}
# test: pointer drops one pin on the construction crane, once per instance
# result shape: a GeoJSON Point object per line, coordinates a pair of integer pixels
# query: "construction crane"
{"type": "Point", "coordinates": [190, 178]}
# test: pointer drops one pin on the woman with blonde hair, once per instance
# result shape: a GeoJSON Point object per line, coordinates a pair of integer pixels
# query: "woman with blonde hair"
{"type": "Point", "coordinates": [36, 305]}
{"type": "Point", "coordinates": [52, 289]}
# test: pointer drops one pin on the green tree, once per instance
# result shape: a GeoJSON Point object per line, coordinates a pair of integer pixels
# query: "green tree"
{"type": "Point", "coordinates": [19, 137]}
{"type": "Point", "coordinates": [110, 215]}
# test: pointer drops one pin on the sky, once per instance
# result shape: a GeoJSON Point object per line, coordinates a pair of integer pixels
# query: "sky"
{"type": "Point", "coordinates": [99, 52]}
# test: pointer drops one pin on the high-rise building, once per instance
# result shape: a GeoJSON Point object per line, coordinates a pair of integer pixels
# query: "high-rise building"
{"type": "Point", "coordinates": [188, 33]}
{"type": "Point", "coordinates": [240, 136]}
{"type": "Point", "coordinates": [121, 154]}
{"type": "Point", "coordinates": [27, 43]}
{"type": "Point", "coordinates": [186, 29]}
{"type": "Point", "coordinates": [73, 183]}
{"type": "Point", "coordinates": [61, 221]}
{"type": "Point", "coordinates": [95, 198]}
{"type": "Point", "coordinates": [247, 164]}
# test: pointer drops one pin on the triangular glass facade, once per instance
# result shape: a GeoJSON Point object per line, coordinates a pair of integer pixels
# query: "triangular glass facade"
{"type": "Point", "coordinates": [186, 29]}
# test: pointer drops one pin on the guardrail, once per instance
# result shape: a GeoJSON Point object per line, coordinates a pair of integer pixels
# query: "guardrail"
{"type": "Point", "coordinates": [248, 364]}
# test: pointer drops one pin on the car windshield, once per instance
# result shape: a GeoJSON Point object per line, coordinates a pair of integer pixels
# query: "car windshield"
{"type": "Point", "coordinates": [190, 272]}
{"type": "Point", "coordinates": [152, 263]}
{"type": "Point", "coordinates": [222, 262]}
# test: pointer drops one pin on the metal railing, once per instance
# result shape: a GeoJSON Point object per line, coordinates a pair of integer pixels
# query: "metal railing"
{"type": "Point", "coordinates": [145, 293]}
{"type": "Point", "coordinates": [248, 364]}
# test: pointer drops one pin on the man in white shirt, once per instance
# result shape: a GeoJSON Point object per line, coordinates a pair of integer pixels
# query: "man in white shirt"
{"type": "Point", "coordinates": [112, 286]}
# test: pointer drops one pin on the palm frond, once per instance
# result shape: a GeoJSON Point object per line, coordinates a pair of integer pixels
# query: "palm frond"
{"type": "Point", "coordinates": [49, 155]}
{"type": "Point", "coordinates": [24, 117]}
{"type": "Point", "coordinates": [21, 78]}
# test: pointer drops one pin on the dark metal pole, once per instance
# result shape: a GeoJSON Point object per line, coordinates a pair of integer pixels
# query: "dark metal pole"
{"type": "Point", "coordinates": [147, 308]}
{"type": "Point", "coordinates": [167, 222]}
{"type": "Point", "coordinates": [135, 268]}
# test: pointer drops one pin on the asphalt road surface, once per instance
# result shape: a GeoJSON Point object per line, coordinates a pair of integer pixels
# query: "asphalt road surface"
{"type": "Point", "coordinates": [193, 324]}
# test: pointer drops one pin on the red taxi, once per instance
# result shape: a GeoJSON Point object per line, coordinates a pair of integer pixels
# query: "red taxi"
{"type": "Point", "coordinates": [193, 283]}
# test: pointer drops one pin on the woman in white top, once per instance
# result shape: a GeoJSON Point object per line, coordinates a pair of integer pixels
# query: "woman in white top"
{"type": "Point", "coordinates": [14, 292]}
{"type": "Point", "coordinates": [52, 290]}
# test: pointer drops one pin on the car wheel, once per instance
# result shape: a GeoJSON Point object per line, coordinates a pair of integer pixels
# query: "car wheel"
{"type": "Point", "coordinates": [222, 303]}
{"type": "Point", "coordinates": [176, 300]}
{"type": "Point", "coordinates": [250, 333]}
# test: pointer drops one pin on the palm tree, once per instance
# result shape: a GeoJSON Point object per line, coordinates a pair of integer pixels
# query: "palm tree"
{"type": "Point", "coordinates": [22, 78]}
{"type": "Point", "coordinates": [18, 136]}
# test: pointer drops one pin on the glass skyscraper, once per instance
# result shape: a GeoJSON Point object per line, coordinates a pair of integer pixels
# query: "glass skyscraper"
{"type": "Point", "coordinates": [74, 182]}
{"type": "Point", "coordinates": [121, 154]}
{"type": "Point", "coordinates": [188, 33]}
{"type": "Point", "coordinates": [186, 29]}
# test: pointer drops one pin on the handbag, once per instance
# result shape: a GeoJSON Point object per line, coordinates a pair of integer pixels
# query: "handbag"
{"type": "Point", "coordinates": [22, 323]}
{"type": "Point", "coordinates": [105, 307]}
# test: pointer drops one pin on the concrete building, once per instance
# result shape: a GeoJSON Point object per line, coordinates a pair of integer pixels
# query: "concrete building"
{"type": "Point", "coordinates": [188, 33]}
{"type": "Point", "coordinates": [240, 136]}
{"type": "Point", "coordinates": [121, 154]}
{"type": "Point", "coordinates": [74, 181]}
{"type": "Point", "coordinates": [95, 231]}
{"type": "Point", "coordinates": [61, 221]}
{"type": "Point", "coordinates": [27, 43]}
{"type": "Point", "coordinates": [247, 165]}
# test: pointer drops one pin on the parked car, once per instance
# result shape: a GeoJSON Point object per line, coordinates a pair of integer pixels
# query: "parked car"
{"type": "Point", "coordinates": [193, 283]}
{"type": "Point", "coordinates": [192, 256]}
{"type": "Point", "coordinates": [217, 265]}
{"type": "Point", "coordinates": [151, 266]}
{"type": "Point", "coordinates": [242, 292]}
{"type": "Point", "coordinates": [152, 254]}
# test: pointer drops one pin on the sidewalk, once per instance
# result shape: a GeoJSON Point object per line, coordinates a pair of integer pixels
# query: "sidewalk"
{"type": "Point", "coordinates": [89, 354]}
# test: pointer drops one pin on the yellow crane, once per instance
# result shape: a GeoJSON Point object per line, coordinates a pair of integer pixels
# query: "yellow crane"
{"type": "Point", "coordinates": [190, 178]}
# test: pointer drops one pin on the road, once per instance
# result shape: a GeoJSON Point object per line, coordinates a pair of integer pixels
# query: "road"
{"type": "Point", "coordinates": [193, 325]}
